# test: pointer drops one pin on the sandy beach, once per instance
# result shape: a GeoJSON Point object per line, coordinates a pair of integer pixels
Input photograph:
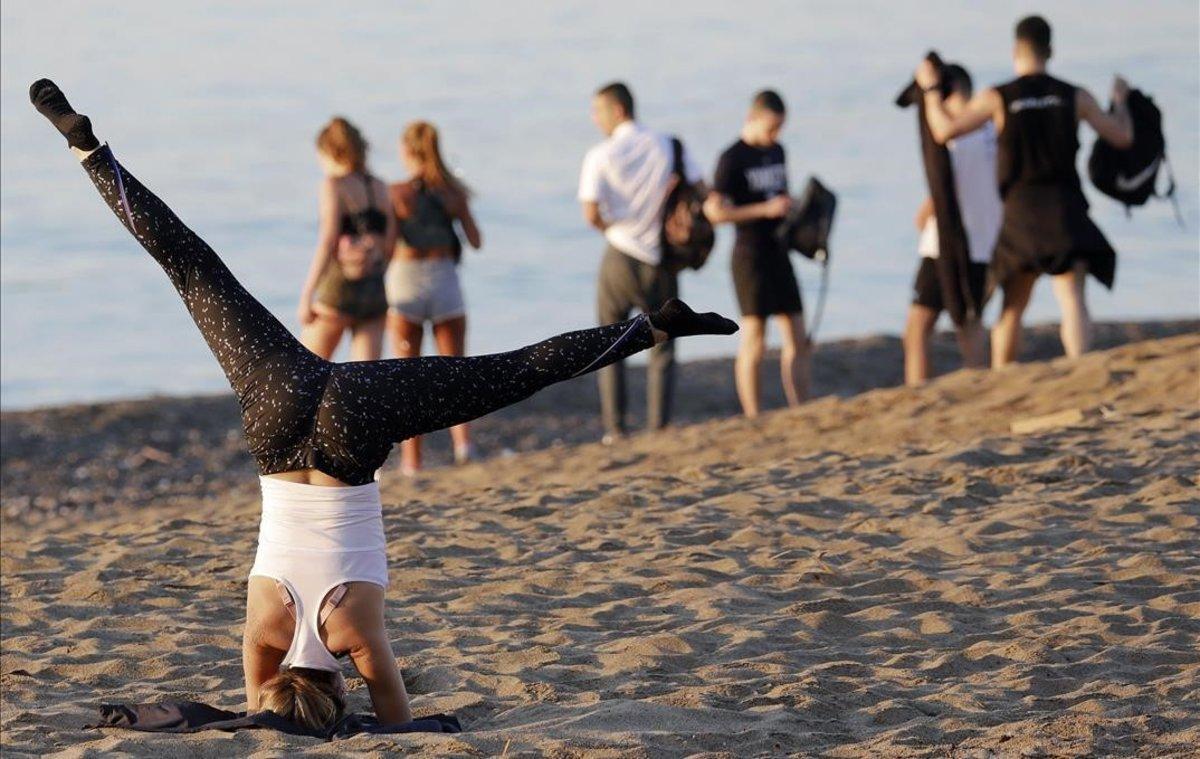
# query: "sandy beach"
{"type": "Point", "coordinates": [884, 572]}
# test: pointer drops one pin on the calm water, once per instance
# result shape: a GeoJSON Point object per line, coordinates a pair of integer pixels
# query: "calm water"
{"type": "Point", "coordinates": [215, 106]}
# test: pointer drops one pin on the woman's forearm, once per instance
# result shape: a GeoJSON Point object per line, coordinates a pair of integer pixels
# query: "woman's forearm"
{"type": "Point", "coordinates": [391, 233]}
{"type": "Point", "coordinates": [378, 669]}
{"type": "Point", "coordinates": [471, 230]}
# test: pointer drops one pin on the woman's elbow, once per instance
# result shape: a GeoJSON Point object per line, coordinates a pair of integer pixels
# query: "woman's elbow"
{"type": "Point", "coordinates": [326, 245]}
{"type": "Point", "coordinates": [940, 134]}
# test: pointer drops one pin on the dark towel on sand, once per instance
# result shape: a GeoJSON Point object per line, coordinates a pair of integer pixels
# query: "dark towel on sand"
{"type": "Point", "coordinates": [193, 716]}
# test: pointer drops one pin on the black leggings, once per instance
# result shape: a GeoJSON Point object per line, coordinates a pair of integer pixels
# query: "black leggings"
{"type": "Point", "coordinates": [302, 412]}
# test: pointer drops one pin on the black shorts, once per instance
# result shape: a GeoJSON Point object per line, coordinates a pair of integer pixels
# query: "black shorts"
{"type": "Point", "coordinates": [765, 283]}
{"type": "Point", "coordinates": [1047, 230]}
{"type": "Point", "coordinates": [927, 291]}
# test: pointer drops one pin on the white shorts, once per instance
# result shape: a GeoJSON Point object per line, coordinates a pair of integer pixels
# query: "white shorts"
{"type": "Point", "coordinates": [425, 290]}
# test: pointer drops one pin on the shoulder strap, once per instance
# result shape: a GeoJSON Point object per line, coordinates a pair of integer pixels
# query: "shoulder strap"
{"type": "Point", "coordinates": [289, 603]}
{"type": "Point", "coordinates": [1170, 193]}
{"type": "Point", "coordinates": [350, 209]}
{"type": "Point", "coordinates": [369, 186]}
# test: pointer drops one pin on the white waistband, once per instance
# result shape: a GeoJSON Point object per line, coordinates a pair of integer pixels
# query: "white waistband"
{"type": "Point", "coordinates": [301, 517]}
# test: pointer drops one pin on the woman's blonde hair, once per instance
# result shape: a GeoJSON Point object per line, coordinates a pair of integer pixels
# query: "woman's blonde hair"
{"type": "Point", "coordinates": [420, 138]}
{"type": "Point", "coordinates": [341, 141]}
{"type": "Point", "coordinates": [307, 697]}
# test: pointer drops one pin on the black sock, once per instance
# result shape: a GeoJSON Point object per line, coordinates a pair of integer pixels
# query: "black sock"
{"type": "Point", "coordinates": [677, 320]}
{"type": "Point", "coordinates": [52, 103]}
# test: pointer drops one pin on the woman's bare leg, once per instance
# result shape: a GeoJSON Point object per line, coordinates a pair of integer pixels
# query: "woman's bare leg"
{"type": "Point", "coordinates": [407, 337]}
{"type": "Point", "coordinates": [323, 334]}
{"type": "Point", "coordinates": [366, 340]}
{"type": "Point", "coordinates": [451, 338]}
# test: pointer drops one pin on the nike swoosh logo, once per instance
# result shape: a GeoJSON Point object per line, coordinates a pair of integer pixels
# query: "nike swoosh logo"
{"type": "Point", "coordinates": [1126, 184]}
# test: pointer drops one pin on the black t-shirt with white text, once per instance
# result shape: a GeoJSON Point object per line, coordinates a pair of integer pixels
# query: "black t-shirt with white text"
{"type": "Point", "coordinates": [747, 174]}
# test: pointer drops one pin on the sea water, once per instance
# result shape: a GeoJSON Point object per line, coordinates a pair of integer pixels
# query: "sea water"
{"type": "Point", "coordinates": [216, 105]}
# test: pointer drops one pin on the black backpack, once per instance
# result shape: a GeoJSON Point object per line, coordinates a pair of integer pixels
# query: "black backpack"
{"type": "Point", "coordinates": [1131, 175]}
{"type": "Point", "coordinates": [806, 227]}
{"type": "Point", "coordinates": [687, 234]}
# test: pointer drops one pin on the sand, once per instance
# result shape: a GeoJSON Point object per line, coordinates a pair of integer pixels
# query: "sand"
{"type": "Point", "coordinates": [891, 574]}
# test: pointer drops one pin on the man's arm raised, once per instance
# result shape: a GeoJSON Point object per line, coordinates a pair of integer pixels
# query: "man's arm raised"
{"type": "Point", "coordinates": [985, 105]}
{"type": "Point", "coordinates": [1115, 128]}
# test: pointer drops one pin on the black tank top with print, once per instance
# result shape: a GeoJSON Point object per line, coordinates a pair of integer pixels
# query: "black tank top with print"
{"type": "Point", "coordinates": [1046, 227]}
{"type": "Point", "coordinates": [1040, 138]}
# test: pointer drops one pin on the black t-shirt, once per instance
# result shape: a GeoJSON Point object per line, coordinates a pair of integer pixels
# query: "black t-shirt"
{"type": "Point", "coordinates": [747, 174]}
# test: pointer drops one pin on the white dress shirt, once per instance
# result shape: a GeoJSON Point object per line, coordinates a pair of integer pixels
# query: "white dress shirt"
{"type": "Point", "coordinates": [628, 176]}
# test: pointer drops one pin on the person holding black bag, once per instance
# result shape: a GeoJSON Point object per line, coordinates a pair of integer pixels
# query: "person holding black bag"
{"type": "Point", "coordinates": [1046, 228]}
{"type": "Point", "coordinates": [750, 190]}
{"type": "Point", "coordinates": [627, 185]}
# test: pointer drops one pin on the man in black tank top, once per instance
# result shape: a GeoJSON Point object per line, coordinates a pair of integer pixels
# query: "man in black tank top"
{"type": "Point", "coordinates": [1046, 228]}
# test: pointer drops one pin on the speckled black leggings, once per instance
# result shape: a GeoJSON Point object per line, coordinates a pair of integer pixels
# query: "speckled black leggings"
{"type": "Point", "coordinates": [302, 412]}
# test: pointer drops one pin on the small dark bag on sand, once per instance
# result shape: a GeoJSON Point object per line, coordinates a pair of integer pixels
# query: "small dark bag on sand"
{"type": "Point", "coordinates": [687, 234]}
{"type": "Point", "coordinates": [193, 716]}
{"type": "Point", "coordinates": [807, 226]}
{"type": "Point", "coordinates": [1131, 175]}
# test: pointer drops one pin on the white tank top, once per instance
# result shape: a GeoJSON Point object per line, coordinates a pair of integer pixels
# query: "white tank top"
{"type": "Point", "coordinates": [311, 540]}
{"type": "Point", "coordinates": [973, 159]}
{"type": "Point", "coordinates": [927, 243]}
{"type": "Point", "coordinates": [973, 156]}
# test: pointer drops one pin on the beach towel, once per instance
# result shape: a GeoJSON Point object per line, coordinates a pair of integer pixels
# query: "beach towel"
{"type": "Point", "coordinates": [193, 716]}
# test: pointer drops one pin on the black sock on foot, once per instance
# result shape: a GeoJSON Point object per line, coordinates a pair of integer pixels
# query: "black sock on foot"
{"type": "Point", "coordinates": [678, 320]}
{"type": "Point", "coordinates": [52, 103]}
